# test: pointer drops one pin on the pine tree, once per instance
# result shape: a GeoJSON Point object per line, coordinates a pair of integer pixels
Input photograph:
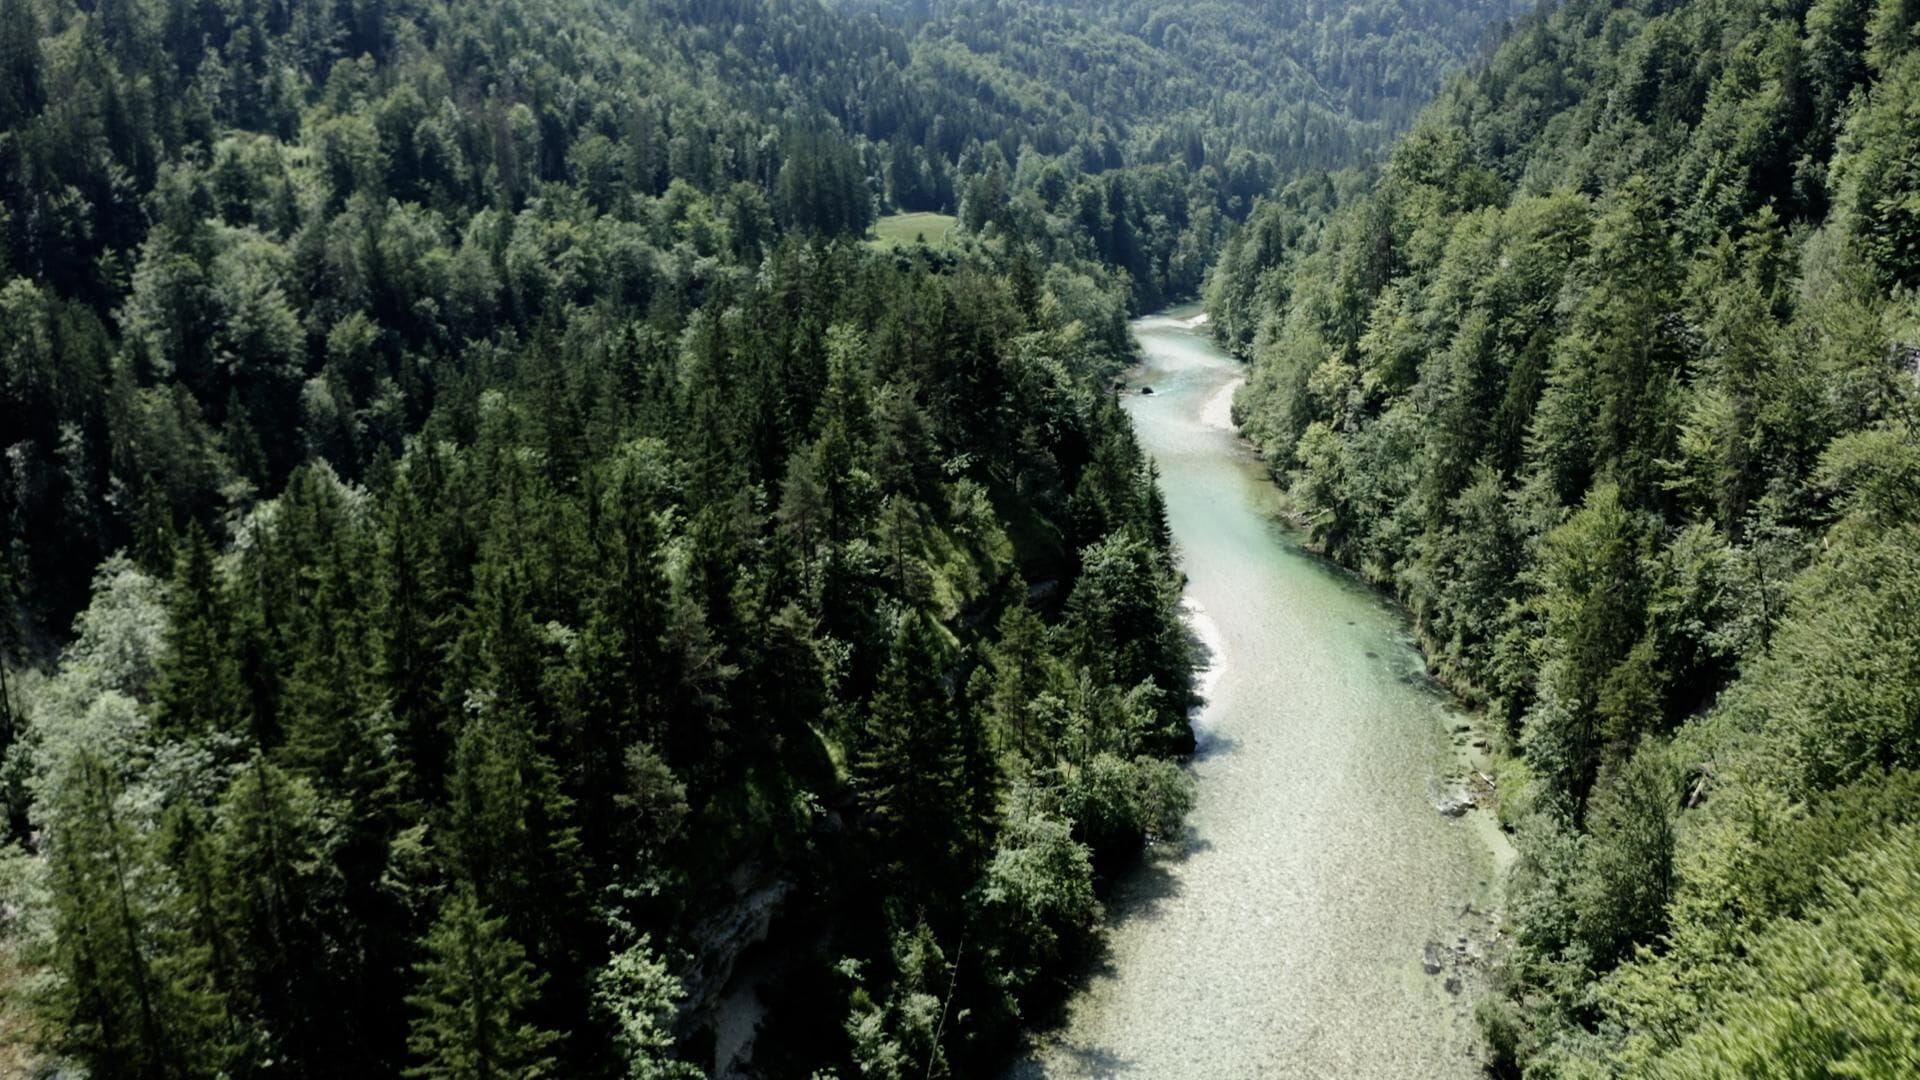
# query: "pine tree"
{"type": "Point", "coordinates": [476, 988]}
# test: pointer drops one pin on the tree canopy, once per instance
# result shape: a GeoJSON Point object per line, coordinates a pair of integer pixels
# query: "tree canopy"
{"type": "Point", "coordinates": [1609, 374]}
{"type": "Point", "coordinates": [484, 544]}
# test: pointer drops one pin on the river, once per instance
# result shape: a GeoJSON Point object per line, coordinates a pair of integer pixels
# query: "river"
{"type": "Point", "coordinates": [1321, 917]}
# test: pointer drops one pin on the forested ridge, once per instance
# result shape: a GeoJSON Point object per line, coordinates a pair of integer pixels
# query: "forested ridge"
{"type": "Point", "coordinates": [1610, 376]}
{"type": "Point", "coordinates": [1313, 85]}
{"type": "Point", "coordinates": [486, 544]}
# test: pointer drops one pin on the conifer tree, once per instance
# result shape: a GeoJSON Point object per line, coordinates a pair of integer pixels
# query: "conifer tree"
{"type": "Point", "coordinates": [22, 81]}
{"type": "Point", "coordinates": [624, 672]}
{"type": "Point", "coordinates": [198, 689]}
{"type": "Point", "coordinates": [281, 899]}
{"type": "Point", "coordinates": [408, 631]}
{"type": "Point", "coordinates": [134, 999]}
{"type": "Point", "coordinates": [13, 765]}
{"type": "Point", "coordinates": [1015, 676]}
{"type": "Point", "coordinates": [514, 840]}
{"type": "Point", "coordinates": [470, 1009]}
{"type": "Point", "coordinates": [188, 851]}
{"type": "Point", "coordinates": [916, 770]}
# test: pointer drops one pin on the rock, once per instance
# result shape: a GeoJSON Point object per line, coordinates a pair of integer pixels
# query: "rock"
{"type": "Point", "coordinates": [1146, 390]}
{"type": "Point", "coordinates": [728, 932]}
{"type": "Point", "coordinates": [1453, 984]}
{"type": "Point", "coordinates": [1435, 959]}
{"type": "Point", "coordinates": [1448, 798]}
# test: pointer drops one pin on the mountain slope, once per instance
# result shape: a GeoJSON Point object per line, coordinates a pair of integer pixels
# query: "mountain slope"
{"type": "Point", "coordinates": [1611, 377]}
{"type": "Point", "coordinates": [496, 577]}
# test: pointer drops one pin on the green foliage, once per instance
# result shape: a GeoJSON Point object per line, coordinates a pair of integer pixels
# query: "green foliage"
{"type": "Point", "coordinates": [921, 771]}
{"type": "Point", "coordinates": [640, 992]}
{"type": "Point", "coordinates": [1118, 801]}
{"type": "Point", "coordinates": [1608, 375]}
{"type": "Point", "coordinates": [1124, 619]}
{"type": "Point", "coordinates": [1037, 899]}
{"type": "Point", "coordinates": [1627, 871]}
{"type": "Point", "coordinates": [1593, 602]}
{"type": "Point", "coordinates": [475, 989]}
{"type": "Point", "coordinates": [546, 523]}
{"type": "Point", "coordinates": [1824, 995]}
{"type": "Point", "coordinates": [197, 689]}
{"type": "Point", "coordinates": [900, 1037]}
{"type": "Point", "coordinates": [280, 895]}
{"type": "Point", "coordinates": [1836, 694]}
{"type": "Point", "coordinates": [134, 995]}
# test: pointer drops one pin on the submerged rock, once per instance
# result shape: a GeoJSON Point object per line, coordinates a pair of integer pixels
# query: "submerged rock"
{"type": "Point", "coordinates": [1449, 798]}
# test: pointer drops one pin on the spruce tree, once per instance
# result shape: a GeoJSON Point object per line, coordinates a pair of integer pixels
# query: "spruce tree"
{"type": "Point", "coordinates": [281, 899]}
{"type": "Point", "coordinates": [22, 79]}
{"type": "Point", "coordinates": [624, 671]}
{"type": "Point", "coordinates": [200, 901]}
{"type": "Point", "coordinates": [198, 689]}
{"type": "Point", "coordinates": [476, 988]}
{"type": "Point", "coordinates": [409, 633]}
{"type": "Point", "coordinates": [1015, 675]}
{"type": "Point", "coordinates": [916, 769]}
{"type": "Point", "coordinates": [515, 841]}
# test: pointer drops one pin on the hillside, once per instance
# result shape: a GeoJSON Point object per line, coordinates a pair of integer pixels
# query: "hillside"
{"type": "Point", "coordinates": [1610, 377]}
{"type": "Point", "coordinates": [1310, 85]}
{"type": "Point", "coordinates": [501, 579]}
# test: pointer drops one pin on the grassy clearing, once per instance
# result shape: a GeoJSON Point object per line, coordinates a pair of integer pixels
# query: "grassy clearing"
{"type": "Point", "coordinates": [905, 230]}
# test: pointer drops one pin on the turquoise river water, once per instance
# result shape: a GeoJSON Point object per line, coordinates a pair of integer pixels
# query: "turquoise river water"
{"type": "Point", "coordinates": [1321, 917]}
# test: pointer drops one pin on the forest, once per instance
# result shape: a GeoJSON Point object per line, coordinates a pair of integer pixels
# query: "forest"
{"type": "Point", "coordinates": [1609, 375]}
{"type": "Point", "coordinates": [488, 555]}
